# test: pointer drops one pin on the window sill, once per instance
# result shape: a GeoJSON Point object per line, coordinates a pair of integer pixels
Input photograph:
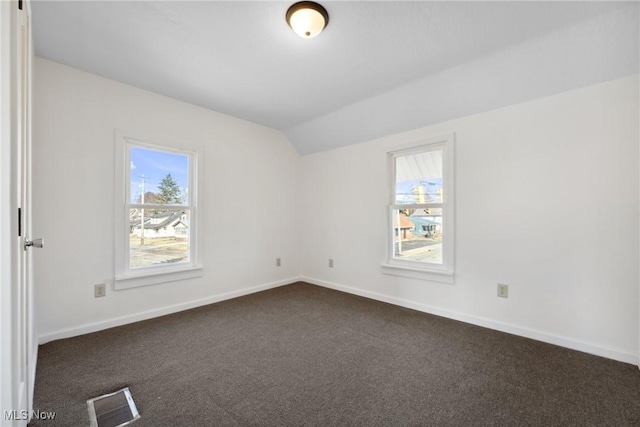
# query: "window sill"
{"type": "Point", "coordinates": [418, 273]}
{"type": "Point", "coordinates": [127, 282]}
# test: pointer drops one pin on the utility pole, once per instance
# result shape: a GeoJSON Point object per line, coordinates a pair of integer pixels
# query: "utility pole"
{"type": "Point", "coordinates": [399, 232]}
{"type": "Point", "coordinates": [142, 215]}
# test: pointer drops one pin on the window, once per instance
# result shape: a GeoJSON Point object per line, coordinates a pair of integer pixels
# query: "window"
{"type": "Point", "coordinates": [420, 226]}
{"type": "Point", "coordinates": [156, 221]}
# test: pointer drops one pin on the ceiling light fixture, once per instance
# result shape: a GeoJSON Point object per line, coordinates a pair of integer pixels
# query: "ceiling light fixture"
{"type": "Point", "coordinates": [307, 19]}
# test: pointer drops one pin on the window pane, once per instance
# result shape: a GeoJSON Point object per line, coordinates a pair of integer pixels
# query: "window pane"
{"type": "Point", "coordinates": [417, 235]}
{"type": "Point", "coordinates": [158, 177]}
{"type": "Point", "coordinates": [158, 237]}
{"type": "Point", "coordinates": [419, 178]}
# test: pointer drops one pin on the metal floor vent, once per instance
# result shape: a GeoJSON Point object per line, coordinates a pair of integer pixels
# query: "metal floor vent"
{"type": "Point", "coordinates": [113, 409]}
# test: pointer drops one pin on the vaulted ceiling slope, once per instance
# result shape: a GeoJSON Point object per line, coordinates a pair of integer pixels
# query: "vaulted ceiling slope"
{"type": "Point", "coordinates": [378, 68]}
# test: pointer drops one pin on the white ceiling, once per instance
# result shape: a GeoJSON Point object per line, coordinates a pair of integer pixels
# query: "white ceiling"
{"type": "Point", "coordinates": [241, 58]}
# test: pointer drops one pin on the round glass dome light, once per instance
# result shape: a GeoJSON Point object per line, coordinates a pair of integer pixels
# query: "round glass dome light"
{"type": "Point", "coordinates": [307, 19]}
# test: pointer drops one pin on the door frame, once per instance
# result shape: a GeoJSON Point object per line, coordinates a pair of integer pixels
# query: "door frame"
{"type": "Point", "coordinates": [18, 343]}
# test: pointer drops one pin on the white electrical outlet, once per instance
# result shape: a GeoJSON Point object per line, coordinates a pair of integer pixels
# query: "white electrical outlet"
{"type": "Point", "coordinates": [100, 290]}
{"type": "Point", "coordinates": [330, 262]}
{"type": "Point", "coordinates": [278, 262]}
{"type": "Point", "coordinates": [503, 290]}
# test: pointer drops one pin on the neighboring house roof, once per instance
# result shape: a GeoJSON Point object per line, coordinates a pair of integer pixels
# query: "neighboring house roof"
{"type": "Point", "coordinates": [181, 221]}
{"type": "Point", "coordinates": [404, 222]}
{"type": "Point", "coordinates": [423, 221]}
{"type": "Point", "coordinates": [169, 221]}
{"type": "Point", "coordinates": [162, 214]}
{"type": "Point", "coordinates": [135, 222]}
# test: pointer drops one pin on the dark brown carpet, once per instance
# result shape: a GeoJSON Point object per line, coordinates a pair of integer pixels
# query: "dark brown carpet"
{"type": "Point", "coordinates": [305, 355]}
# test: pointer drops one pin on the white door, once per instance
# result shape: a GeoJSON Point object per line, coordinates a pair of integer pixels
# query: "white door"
{"type": "Point", "coordinates": [17, 340]}
{"type": "Point", "coordinates": [25, 49]}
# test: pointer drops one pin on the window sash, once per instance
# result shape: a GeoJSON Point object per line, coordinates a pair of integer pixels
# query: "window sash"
{"type": "Point", "coordinates": [190, 155]}
{"type": "Point", "coordinates": [427, 147]}
{"type": "Point", "coordinates": [411, 262]}
{"type": "Point", "coordinates": [157, 206]}
{"type": "Point", "coordinates": [420, 206]}
{"type": "Point", "coordinates": [191, 239]}
{"type": "Point", "coordinates": [169, 266]}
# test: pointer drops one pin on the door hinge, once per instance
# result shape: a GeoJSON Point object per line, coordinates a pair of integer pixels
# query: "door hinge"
{"type": "Point", "coordinates": [19, 222]}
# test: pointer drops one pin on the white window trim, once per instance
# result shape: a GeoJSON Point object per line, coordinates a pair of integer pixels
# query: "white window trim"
{"type": "Point", "coordinates": [125, 278]}
{"type": "Point", "coordinates": [415, 269]}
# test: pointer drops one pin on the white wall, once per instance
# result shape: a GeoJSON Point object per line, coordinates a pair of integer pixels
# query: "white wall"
{"type": "Point", "coordinates": [249, 189]}
{"type": "Point", "coordinates": [546, 201]}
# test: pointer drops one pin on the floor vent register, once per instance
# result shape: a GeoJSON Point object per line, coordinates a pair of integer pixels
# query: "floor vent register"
{"type": "Point", "coordinates": [113, 409]}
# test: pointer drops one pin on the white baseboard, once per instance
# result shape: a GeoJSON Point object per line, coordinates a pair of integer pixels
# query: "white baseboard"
{"type": "Point", "coordinates": [550, 338]}
{"type": "Point", "coordinates": [610, 353]}
{"type": "Point", "coordinates": [150, 314]}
